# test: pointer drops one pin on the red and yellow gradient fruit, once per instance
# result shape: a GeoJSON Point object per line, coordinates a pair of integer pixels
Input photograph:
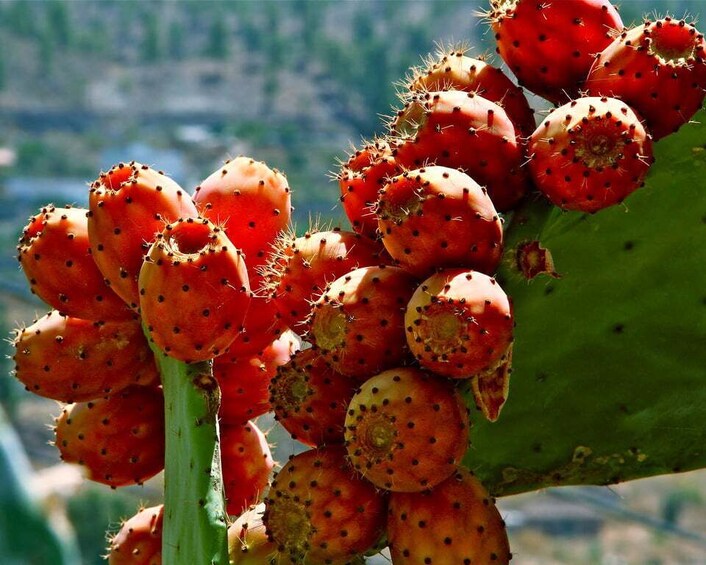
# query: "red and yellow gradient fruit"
{"type": "Point", "coordinates": [75, 360]}
{"type": "Point", "coordinates": [310, 399]}
{"type": "Point", "coordinates": [590, 154]}
{"type": "Point", "coordinates": [455, 522]}
{"type": "Point", "coordinates": [358, 323]}
{"type": "Point", "coordinates": [319, 511]}
{"type": "Point", "coordinates": [250, 201]}
{"type": "Point", "coordinates": [194, 290]}
{"type": "Point", "coordinates": [118, 440]}
{"type": "Point", "coordinates": [57, 260]}
{"type": "Point", "coordinates": [659, 69]}
{"type": "Point", "coordinates": [128, 206]}
{"type": "Point", "coordinates": [459, 323]}
{"type": "Point", "coordinates": [247, 463]}
{"type": "Point", "coordinates": [139, 540]}
{"type": "Point", "coordinates": [437, 217]}
{"type": "Point", "coordinates": [550, 46]}
{"type": "Point", "coordinates": [406, 430]}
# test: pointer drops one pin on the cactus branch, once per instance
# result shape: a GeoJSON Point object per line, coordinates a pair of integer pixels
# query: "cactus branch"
{"type": "Point", "coordinates": [195, 519]}
{"type": "Point", "coordinates": [608, 359]}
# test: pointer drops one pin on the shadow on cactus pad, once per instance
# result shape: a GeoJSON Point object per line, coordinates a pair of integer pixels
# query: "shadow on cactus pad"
{"type": "Point", "coordinates": [609, 381]}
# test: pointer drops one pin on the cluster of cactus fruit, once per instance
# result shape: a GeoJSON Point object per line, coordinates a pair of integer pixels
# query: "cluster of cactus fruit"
{"type": "Point", "coordinates": [362, 341]}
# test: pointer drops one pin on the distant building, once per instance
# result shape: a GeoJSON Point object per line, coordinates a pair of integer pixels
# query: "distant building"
{"type": "Point", "coordinates": [551, 515]}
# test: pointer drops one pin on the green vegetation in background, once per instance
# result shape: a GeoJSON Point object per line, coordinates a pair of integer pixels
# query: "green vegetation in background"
{"type": "Point", "coordinates": [151, 42]}
{"type": "Point", "coordinates": [359, 58]}
{"type": "Point", "coordinates": [218, 46]}
{"type": "Point", "coordinates": [3, 69]}
{"type": "Point", "coordinates": [96, 508]}
{"type": "Point", "coordinates": [59, 23]}
{"type": "Point", "coordinates": [27, 534]}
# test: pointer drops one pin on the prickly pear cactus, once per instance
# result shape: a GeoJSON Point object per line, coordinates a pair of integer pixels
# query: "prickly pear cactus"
{"type": "Point", "coordinates": [195, 514]}
{"type": "Point", "coordinates": [608, 353]}
{"type": "Point", "coordinates": [608, 382]}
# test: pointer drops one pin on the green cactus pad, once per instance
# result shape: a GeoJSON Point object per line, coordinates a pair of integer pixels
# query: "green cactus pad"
{"type": "Point", "coordinates": [609, 380]}
{"type": "Point", "coordinates": [195, 520]}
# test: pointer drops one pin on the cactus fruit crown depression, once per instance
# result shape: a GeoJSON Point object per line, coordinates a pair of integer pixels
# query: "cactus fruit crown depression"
{"type": "Point", "coordinates": [365, 341]}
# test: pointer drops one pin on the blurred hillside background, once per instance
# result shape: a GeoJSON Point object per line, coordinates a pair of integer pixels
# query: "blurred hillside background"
{"type": "Point", "coordinates": [183, 85]}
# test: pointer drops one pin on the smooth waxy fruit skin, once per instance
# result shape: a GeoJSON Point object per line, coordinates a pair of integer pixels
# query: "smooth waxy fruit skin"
{"type": "Point", "coordinates": [438, 217]}
{"type": "Point", "coordinates": [455, 522]}
{"type": "Point", "coordinates": [310, 399]}
{"type": "Point", "coordinates": [194, 291]}
{"type": "Point", "coordinates": [128, 206]}
{"type": "Point", "coordinates": [358, 323]}
{"type": "Point", "coordinates": [56, 257]}
{"type": "Point", "coordinates": [463, 130]}
{"type": "Point", "coordinates": [75, 360]}
{"type": "Point", "coordinates": [459, 323]}
{"type": "Point", "coordinates": [590, 154]}
{"type": "Point", "coordinates": [453, 70]}
{"type": "Point", "coordinates": [118, 440]}
{"type": "Point", "coordinates": [550, 46]}
{"type": "Point", "coordinates": [659, 68]}
{"type": "Point", "coordinates": [300, 268]}
{"type": "Point", "coordinates": [247, 463]}
{"type": "Point", "coordinates": [406, 430]}
{"type": "Point", "coordinates": [139, 540]}
{"type": "Point", "coordinates": [250, 201]}
{"type": "Point", "coordinates": [319, 511]}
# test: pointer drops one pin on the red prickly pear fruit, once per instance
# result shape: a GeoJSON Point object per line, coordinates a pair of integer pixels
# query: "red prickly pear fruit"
{"type": "Point", "coordinates": [194, 290]}
{"type": "Point", "coordinates": [251, 201]}
{"type": "Point", "coordinates": [368, 153]}
{"type": "Point", "coordinates": [358, 323]}
{"type": "Point", "coordinates": [455, 522]}
{"type": "Point", "coordinates": [406, 430]}
{"type": "Point", "coordinates": [452, 70]}
{"type": "Point", "coordinates": [360, 179]}
{"type": "Point", "coordinates": [75, 360]}
{"type": "Point", "coordinates": [247, 462]}
{"type": "Point", "coordinates": [118, 440]}
{"type": "Point", "coordinates": [262, 324]}
{"type": "Point", "coordinates": [319, 511]}
{"type": "Point", "coordinates": [244, 381]}
{"type": "Point", "coordinates": [300, 268]}
{"type": "Point", "coordinates": [658, 68]}
{"type": "Point", "coordinates": [464, 131]}
{"type": "Point", "coordinates": [248, 543]}
{"type": "Point", "coordinates": [310, 399]}
{"type": "Point", "coordinates": [550, 46]}
{"type": "Point", "coordinates": [128, 206]}
{"type": "Point", "coordinates": [590, 154]}
{"type": "Point", "coordinates": [56, 258]}
{"type": "Point", "coordinates": [439, 217]}
{"type": "Point", "coordinates": [459, 323]}
{"type": "Point", "coordinates": [139, 540]}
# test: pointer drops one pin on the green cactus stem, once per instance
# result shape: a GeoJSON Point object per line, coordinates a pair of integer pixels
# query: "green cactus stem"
{"type": "Point", "coordinates": [609, 382]}
{"type": "Point", "coordinates": [195, 519]}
